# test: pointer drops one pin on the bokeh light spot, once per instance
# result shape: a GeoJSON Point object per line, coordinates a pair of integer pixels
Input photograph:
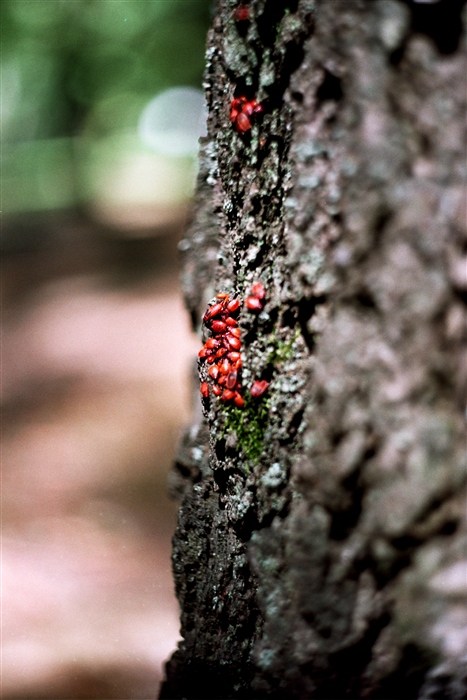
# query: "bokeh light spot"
{"type": "Point", "coordinates": [173, 122]}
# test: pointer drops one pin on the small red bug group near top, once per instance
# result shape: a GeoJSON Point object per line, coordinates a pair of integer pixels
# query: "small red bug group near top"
{"type": "Point", "coordinates": [222, 351]}
{"type": "Point", "coordinates": [241, 111]}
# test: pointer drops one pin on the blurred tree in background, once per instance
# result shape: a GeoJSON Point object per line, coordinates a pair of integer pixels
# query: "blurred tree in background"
{"type": "Point", "coordinates": [76, 77]}
{"type": "Point", "coordinates": [102, 108]}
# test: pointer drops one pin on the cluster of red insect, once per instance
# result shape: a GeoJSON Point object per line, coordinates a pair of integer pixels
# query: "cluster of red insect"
{"type": "Point", "coordinates": [221, 351]}
{"type": "Point", "coordinates": [241, 111]}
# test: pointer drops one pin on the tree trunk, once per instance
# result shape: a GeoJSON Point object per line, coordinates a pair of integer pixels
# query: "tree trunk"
{"type": "Point", "coordinates": [321, 546]}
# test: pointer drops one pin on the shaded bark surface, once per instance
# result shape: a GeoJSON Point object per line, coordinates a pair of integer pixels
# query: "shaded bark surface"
{"type": "Point", "coordinates": [334, 563]}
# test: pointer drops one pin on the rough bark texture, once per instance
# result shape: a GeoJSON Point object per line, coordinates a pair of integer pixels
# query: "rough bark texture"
{"type": "Point", "coordinates": [321, 548]}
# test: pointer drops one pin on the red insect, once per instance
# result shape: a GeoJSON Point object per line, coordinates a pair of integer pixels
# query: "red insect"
{"type": "Point", "coordinates": [227, 395]}
{"type": "Point", "coordinates": [236, 107]}
{"type": "Point", "coordinates": [258, 388]}
{"type": "Point", "coordinates": [233, 305]}
{"type": "Point", "coordinates": [233, 342]}
{"type": "Point", "coordinates": [231, 382]}
{"type": "Point", "coordinates": [255, 301]}
{"type": "Point", "coordinates": [224, 366]}
{"type": "Point", "coordinates": [258, 290]}
{"type": "Point", "coordinates": [213, 371]}
{"type": "Point", "coordinates": [241, 111]}
{"type": "Point", "coordinates": [218, 327]}
{"type": "Point", "coordinates": [243, 123]}
{"type": "Point", "coordinates": [213, 311]}
{"type": "Point", "coordinates": [241, 14]}
{"type": "Point", "coordinates": [238, 400]}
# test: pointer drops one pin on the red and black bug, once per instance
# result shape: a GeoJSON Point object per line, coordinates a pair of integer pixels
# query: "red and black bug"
{"type": "Point", "coordinates": [241, 112]}
{"type": "Point", "coordinates": [258, 388]}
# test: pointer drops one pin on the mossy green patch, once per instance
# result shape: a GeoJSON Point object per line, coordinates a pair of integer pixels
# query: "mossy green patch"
{"type": "Point", "coordinates": [281, 350]}
{"type": "Point", "coordinates": [249, 423]}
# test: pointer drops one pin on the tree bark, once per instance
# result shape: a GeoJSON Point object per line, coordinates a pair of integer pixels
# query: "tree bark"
{"type": "Point", "coordinates": [321, 547]}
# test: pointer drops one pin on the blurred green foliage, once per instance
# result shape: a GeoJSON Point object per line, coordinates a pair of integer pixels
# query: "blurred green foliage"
{"type": "Point", "coordinates": [85, 68]}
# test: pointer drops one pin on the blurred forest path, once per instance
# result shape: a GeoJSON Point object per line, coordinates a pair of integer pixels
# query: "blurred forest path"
{"type": "Point", "coordinates": [102, 109]}
{"type": "Point", "coordinates": [96, 354]}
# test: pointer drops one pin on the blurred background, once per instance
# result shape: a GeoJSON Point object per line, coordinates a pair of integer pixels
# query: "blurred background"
{"type": "Point", "coordinates": [102, 109]}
